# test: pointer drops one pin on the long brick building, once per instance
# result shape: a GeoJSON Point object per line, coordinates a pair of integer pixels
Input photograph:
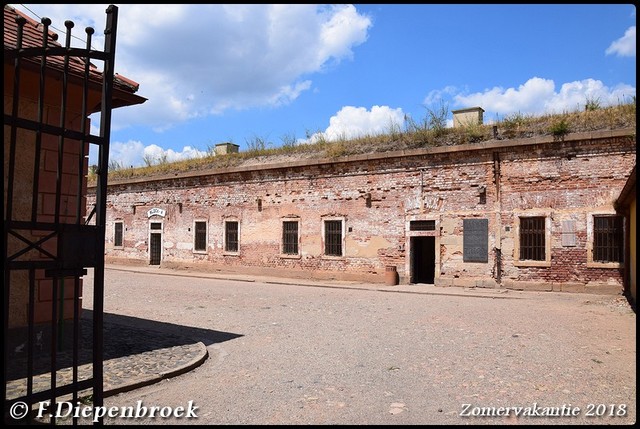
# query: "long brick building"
{"type": "Point", "coordinates": [532, 213]}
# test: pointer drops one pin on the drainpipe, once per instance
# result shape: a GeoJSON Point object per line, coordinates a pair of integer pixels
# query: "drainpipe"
{"type": "Point", "coordinates": [422, 189]}
{"type": "Point", "coordinates": [498, 217]}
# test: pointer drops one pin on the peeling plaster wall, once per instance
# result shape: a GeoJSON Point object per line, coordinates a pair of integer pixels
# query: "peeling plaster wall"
{"type": "Point", "coordinates": [375, 197]}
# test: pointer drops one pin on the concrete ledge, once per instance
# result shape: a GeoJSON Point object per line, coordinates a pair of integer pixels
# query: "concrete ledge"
{"type": "Point", "coordinates": [130, 262]}
{"type": "Point", "coordinates": [528, 286]}
{"type": "Point", "coordinates": [225, 270]}
{"type": "Point", "coordinates": [487, 283]}
{"type": "Point", "coordinates": [569, 287]}
{"type": "Point", "coordinates": [464, 282]}
{"type": "Point", "coordinates": [512, 284]}
{"type": "Point", "coordinates": [443, 282]}
{"type": "Point", "coordinates": [603, 289]}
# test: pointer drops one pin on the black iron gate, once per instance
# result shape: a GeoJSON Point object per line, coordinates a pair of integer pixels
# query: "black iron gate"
{"type": "Point", "coordinates": [51, 352]}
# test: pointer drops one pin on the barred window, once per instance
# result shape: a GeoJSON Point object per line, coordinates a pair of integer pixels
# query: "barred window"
{"type": "Point", "coordinates": [118, 233]}
{"type": "Point", "coordinates": [231, 236]}
{"type": "Point", "coordinates": [290, 237]}
{"type": "Point", "coordinates": [532, 238]}
{"type": "Point", "coordinates": [200, 236]}
{"type": "Point", "coordinates": [333, 237]}
{"type": "Point", "coordinates": [422, 225]}
{"type": "Point", "coordinates": [607, 239]}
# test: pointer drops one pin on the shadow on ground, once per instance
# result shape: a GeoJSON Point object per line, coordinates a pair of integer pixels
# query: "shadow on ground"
{"type": "Point", "coordinates": [122, 336]}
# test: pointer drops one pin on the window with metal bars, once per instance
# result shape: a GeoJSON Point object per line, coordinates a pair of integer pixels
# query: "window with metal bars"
{"type": "Point", "coordinates": [532, 238]}
{"type": "Point", "coordinates": [231, 236]}
{"type": "Point", "coordinates": [422, 225]}
{"type": "Point", "coordinates": [290, 237]}
{"type": "Point", "coordinates": [200, 236]}
{"type": "Point", "coordinates": [333, 237]}
{"type": "Point", "coordinates": [607, 239]}
{"type": "Point", "coordinates": [118, 233]}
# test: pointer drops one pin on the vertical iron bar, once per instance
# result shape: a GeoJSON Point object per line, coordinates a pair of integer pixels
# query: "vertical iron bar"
{"type": "Point", "coordinates": [101, 197]}
{"type": "Point", "coordinates": [36, 168]}
{"type": "Point", "coordinates": [63, 111]}
{"type": "Point", "coordinates": [77, 305]}
{"type": "Point", "coordinates": [9, 196]}
{"type": "Point", "coordinates": [59, 171]}
{"type": "Point", "coordinates": [54, 345]}
{"type": "Point", "coordinates": [14, 129]}
{"type": "Point", "coordinates": [83, 125]}
{"type": "Point", "coordinates": [30, 332]}
{"type": "Point", "coordinates": [76, 346]}
{"type": "Point", "coordinates": [7, 283]}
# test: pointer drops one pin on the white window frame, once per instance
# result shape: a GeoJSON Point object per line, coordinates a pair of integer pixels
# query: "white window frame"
{"type": "Point", "coordinates": [224, 237]}
{"type": "Point", "coordinates": [121, 246]}
{"type": "Point", "coordinates": [590, 237]}
{"type": "Point", "coordinates": [343, 232]}
{"type": "Point", "coordinates": [282, 253]}
{"type": "Point", "coordinates": [547, 241]}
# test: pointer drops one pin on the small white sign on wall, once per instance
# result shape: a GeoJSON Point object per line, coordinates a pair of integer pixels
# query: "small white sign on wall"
{"type": "Point", "coordinates": [156, 211]}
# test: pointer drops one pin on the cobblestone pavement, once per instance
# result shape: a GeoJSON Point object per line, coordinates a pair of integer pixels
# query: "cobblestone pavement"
{"type": "Point", "coordinates": [134, 357]}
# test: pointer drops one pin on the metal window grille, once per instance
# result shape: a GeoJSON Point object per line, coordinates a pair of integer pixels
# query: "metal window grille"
{"type": "Point", "coordinates": [607, 239]}
{"type": "Point", "coordinates": [422, 225]}
{"type": "Point", "coordinates": [532, 238]}
{"type": "Point", "coordinates": [200, 236]}
{"type": "Point", "coordinates": [117, 239]}
{"type": "Point", "coordinates": [156, 225]}
{"type": "Point", "coordinates": [333, 237]}
{"type": "Point", "coordinates": [290, 238]}
{"type": "Point", "coordinates": [231, 237]}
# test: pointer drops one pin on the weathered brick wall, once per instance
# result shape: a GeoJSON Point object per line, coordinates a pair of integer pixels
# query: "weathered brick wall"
{"type": "Point", "coordinates": [26, 161]}
{"type": "Point", "coordinates": [569, 182]}
{"type": "Point", "coordinates": [566, 180]}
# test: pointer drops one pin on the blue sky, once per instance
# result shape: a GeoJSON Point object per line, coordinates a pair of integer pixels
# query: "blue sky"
{"type": "Point", "coordinates": [241, 73]}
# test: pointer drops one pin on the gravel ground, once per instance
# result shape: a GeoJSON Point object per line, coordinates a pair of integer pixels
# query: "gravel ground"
{"type": "Point", "coordinates": [287, 354]}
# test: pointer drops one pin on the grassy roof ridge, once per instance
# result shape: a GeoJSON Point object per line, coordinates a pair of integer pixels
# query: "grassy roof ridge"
{"type": "Point", "coordinates": [515, 126]}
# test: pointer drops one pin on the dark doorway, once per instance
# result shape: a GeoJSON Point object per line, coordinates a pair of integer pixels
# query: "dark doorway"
{"type": "Point", "coordinates": [423, 259]}
{"type": "Point", "coordinates": [154, 248]}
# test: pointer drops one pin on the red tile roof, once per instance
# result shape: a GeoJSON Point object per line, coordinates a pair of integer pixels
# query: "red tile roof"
{"type": "Point", "coordinates": [32, 37]}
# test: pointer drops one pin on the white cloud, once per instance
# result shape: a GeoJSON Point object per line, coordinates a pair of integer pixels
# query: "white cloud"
{"type": "Point", "coordinates": [193, 60]}
{"type": "Point", "coordinates": [624, 46]}
{"type": "Point", "coordinates": [531, 96]}
{"type": "Point", "coordinates": [127, 154]}
{"type": "Point", "coordinates": [155, 154]}
{"type": "Point", "coordinates": [539, 96]}
{"type": "Point", "coordinates": [342, 28]}
{"type": "Point", "coordinates": [437, 95]}
{"type": "Point", "coordinates": [288, 93]}
{"type": "Point", "coordinates": [133, 154]}
{"type": "Point", "coordinates": [351, 122]}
